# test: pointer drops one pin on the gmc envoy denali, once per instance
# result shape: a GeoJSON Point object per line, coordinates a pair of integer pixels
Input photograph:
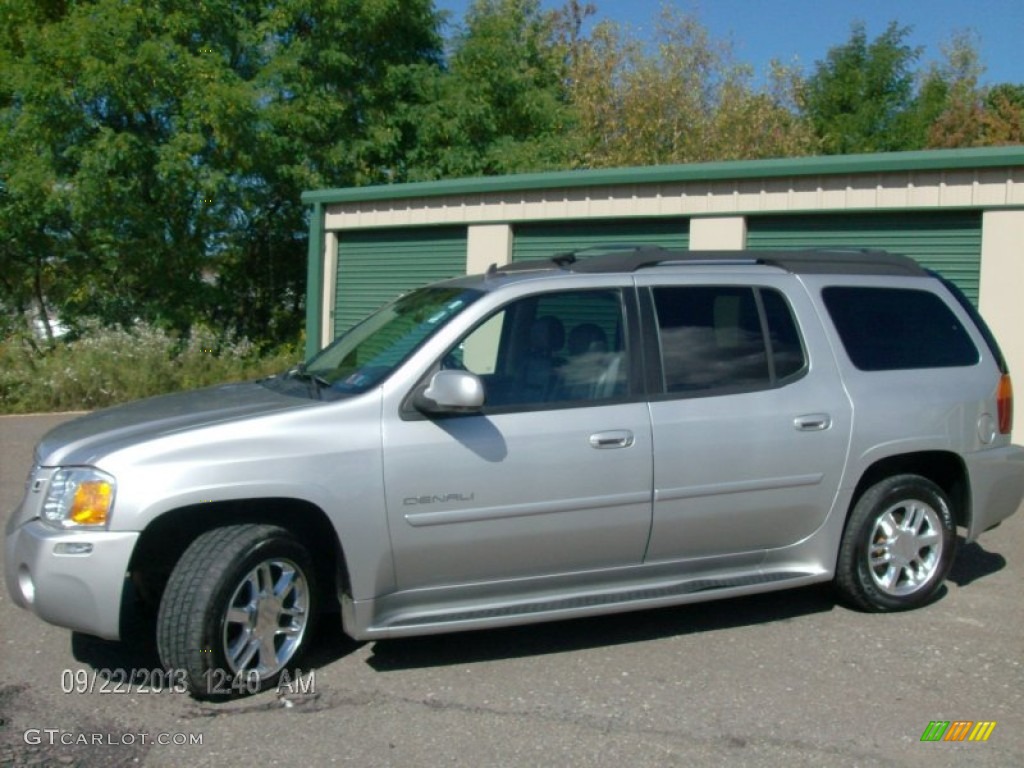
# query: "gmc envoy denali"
{"type": "Point", "coordinates": [548, 440]}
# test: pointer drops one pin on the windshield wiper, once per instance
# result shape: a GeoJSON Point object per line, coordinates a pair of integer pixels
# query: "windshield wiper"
{"type": "Point", "coordinates": [316, 383]}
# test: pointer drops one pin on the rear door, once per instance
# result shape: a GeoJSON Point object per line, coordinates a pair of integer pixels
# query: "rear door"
{"type": "Point", "coordinates": [752, 425]}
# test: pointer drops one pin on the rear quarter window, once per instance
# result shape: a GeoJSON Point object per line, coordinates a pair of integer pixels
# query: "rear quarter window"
{"type": "Point", "coordinates": [887, 329]}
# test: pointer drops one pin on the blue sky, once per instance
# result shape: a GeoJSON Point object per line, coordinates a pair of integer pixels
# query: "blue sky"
{"type": "Point", "coordinates": [804, 30]}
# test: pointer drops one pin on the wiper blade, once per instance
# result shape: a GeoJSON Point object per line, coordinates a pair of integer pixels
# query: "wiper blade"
{"type": "Point", "coordinates": [316, 383]}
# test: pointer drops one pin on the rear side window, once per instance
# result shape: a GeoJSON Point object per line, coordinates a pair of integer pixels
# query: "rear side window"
{"type": "Point", "coordinates": [725, 338]}
{"type": "Point", "coordinates": [888, 329]}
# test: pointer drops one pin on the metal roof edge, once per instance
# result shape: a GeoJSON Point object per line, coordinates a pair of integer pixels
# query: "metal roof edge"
{"type": "Point", "coordinates": [884, 162]}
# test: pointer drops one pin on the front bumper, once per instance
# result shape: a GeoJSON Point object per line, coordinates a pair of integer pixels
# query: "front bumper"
{"type": "Point", "coordinates": [79, 591]}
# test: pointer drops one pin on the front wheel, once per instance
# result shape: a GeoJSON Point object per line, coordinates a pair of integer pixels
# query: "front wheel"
{"type": "Point", "coordinates": [898, 545]}
{"type": "Point", "coordinates": [237, 610]}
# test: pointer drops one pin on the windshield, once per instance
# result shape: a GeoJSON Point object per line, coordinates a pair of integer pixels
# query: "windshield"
{"type": "Point", "coordinates": [371, 350]}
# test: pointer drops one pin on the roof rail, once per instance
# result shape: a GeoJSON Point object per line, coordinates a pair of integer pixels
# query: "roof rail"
{"type": "Point", "coordinates": [627, 258]}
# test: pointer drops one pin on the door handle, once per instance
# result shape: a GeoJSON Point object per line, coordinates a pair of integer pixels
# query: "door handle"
{"type": "Point", "coordinates": [617, 438]}
{"type": "Point", "coordinates": [812, 422]}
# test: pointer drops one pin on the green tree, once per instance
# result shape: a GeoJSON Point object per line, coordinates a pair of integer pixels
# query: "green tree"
{"type": "Point", "coordinates": [683, 100]}
{"type": "Point", "coordinates": [956, 110]}
{"type": "Point", "coordinates": [983, 117]}
{"type": "Point", "coordinates": [861, 97]}
{"type": "Point", "coordinates": [501, 105]}
{"type": "Point", "coordinates": [1004, 108]}
{"type": "Point", "coordinates": [153, 152]}
{"type": "Point", "coordinates": [334, 104]}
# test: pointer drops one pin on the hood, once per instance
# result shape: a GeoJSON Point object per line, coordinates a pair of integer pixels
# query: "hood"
{"type": "Point", "coordinates": [85, 439]}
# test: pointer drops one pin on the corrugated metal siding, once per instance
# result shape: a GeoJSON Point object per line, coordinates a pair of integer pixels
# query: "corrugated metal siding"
{"type": "Point", "coordinates": [948, 242]}
{"type": "Point", "coordinates": [374, 266]}
{"type": "Point", "coordinates": [542, 240]}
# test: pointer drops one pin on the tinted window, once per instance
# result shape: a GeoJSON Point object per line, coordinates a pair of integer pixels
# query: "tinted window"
{"type": "Point", "coordinates": [787, 352]}
{"type": "Point", "coordinates": [892, 329]}
{"type": "Point", "coordinates": [719, 338]}
{"type": "Point", "coordinates": [551, 349]}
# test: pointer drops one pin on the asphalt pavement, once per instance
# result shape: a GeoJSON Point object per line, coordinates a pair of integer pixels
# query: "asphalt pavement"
{"type": "Point", "coordinates": [786, 679]}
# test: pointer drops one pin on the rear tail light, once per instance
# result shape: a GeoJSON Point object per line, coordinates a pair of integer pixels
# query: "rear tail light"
{"type": "Point", "coordinates": [1004, 404]}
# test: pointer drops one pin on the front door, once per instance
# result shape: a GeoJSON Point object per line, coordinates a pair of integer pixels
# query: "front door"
{"type": "Point", "coordinates": [552, 477]}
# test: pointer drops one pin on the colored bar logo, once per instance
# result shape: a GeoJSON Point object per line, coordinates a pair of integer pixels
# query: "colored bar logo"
{"type": "Point", "coordinates": [958, 730]}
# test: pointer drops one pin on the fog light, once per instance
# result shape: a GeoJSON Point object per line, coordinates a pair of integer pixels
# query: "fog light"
{"type": "Point", "coordinates": [72, 548]}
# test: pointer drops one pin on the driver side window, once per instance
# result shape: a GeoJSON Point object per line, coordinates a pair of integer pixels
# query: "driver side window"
{"type": "Point", "coordinates": [552, 350]}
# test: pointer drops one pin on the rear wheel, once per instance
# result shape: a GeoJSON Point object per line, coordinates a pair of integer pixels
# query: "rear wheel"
{"type": "Point", "coordinates": [237, 610]}
{"type": "Point", "coordinates": [898, 545]}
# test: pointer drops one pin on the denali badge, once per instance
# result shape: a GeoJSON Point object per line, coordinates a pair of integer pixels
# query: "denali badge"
{"type": "Point", "coordinates": [419, 501]}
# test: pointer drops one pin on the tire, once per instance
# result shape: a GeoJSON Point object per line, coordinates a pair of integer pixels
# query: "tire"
{"type": "Point", "coordinates": [898, 545]}
{"type": "Point", "coordinates": [237, 610]}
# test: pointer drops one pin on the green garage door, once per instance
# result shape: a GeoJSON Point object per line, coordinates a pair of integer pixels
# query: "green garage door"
{"type": "Point", "coordinates": [374, 266]}
{"type": "Point", "coordinates": [948, 242]}
{"type": "Point", "coordinates": [543, 240]}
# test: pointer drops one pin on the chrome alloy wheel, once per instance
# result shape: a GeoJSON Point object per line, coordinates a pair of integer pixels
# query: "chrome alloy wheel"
{"type": "Point", "coordinates": [905, 547]}
{"type": "Point", "coordinates": [266, 618]}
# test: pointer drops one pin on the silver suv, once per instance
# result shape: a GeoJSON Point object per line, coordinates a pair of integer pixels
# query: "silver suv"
{"type": "Point", "coordinates": [548, 440]}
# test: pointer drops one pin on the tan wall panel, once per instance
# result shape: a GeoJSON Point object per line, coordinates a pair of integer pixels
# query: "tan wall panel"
{"type": "Point", "coordinates": [726, 233]}
{"type": "Point", "coordinates": [487, 244]}
{"type": "Point", "coordinates": [1002, 294]}
{"type": "Point", "coordinates": [329, 287]}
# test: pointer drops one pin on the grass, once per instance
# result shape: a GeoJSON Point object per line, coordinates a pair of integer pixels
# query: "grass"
{"type": "Point", "coordinates": [106, 366]}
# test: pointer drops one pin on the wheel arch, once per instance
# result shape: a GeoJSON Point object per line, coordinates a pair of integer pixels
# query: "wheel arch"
{"type": "Point", "coordinates": [944, 468]}
{"type": "Point", "coordinates": [164, 540]}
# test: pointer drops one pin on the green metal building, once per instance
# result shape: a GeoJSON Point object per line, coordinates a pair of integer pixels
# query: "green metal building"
{"type": "Point", "coordinates": [958, 211]}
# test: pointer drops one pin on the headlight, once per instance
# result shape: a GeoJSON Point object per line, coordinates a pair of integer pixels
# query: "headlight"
{"type": "Point", "coordinates": [79, 497]}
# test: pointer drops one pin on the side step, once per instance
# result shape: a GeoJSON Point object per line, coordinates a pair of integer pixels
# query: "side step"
{"type": "Point", "coordinates": [585, 604]}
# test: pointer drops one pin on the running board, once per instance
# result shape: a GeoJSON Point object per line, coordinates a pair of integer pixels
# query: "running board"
{"type": "Point", "coordinates": [587, 604]}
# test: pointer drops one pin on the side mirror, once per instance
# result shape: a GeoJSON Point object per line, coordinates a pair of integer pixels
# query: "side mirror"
{"type": "Point", "coordinates": [451, 392]}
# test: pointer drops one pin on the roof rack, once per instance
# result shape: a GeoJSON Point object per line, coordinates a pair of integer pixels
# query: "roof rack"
{"type": "Point", "coordinates": [630, 258]}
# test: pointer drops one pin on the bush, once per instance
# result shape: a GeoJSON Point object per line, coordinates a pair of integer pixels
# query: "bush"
{"type": "Point", "coordinates": [105, 366]}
